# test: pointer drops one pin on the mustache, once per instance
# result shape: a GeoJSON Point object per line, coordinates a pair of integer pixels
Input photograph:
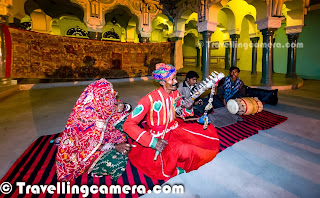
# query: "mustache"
{"type": "Point", "coordinates": [175, 85]}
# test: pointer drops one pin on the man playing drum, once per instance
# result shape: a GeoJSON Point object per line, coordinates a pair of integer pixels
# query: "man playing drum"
{"type": "Point", "coordinates": [230, 87]}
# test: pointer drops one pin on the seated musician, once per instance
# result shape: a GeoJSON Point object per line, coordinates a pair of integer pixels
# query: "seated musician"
{"type": "Point", "coordinates": [182, 146]}
{"type": "Point", "coordinates": [229, 87]}
{"type": "Point", "coordinates": [187, 87]}
{"type": "Point", "coordinates": [90, 142]}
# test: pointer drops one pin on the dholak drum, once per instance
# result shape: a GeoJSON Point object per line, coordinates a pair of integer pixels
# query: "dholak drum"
{"type": "Point", "coordinates": [244, 106]}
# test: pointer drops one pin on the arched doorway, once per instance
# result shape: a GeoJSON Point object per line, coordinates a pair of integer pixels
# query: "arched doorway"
{"type": "Point", "coordinates": [121, 25]}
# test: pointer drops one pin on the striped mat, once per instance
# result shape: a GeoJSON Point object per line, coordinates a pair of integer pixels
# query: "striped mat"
{"type": "Point", "coordinates": [36, 164]}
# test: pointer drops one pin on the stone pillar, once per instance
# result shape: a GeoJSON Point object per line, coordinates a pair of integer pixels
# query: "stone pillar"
{"type": "Point", "coordinates": [94, 18]}
{"type": "Point", "coordinates": [5, 13]}
{"type": "Point", "coordinates": [292, 54]}
{"type": "Point", "coordinates": [173, 49]}
{"type": "Point", "coordinates": [273, 41]}
{"type": "Point", "coordinates": [268, 26]}
{"type": "Point", "coordinates": [254, 41]}
{"type": "Point", "coordinates": [178, 52]}
{"type": "Point", "coordinates": [234, 42]}
{"type": "Point", "coordinates": [144, 40]}
{"type": "Point", "coordinates": [3, 20]}
{"type": "Point", "coordinates": [293, 34]}
{"type": "Point", "coordinates": [227, 55]}
{"type": "Point", "coordinates": [198, 57]}
{"type": "Point", "coordinates": [206, 54]}
{"type": "Point", "coordinates": [95, 35]}
{"type": "Point", "coordinates": [206, 28]}
{"type": "Point", "coordinates": [267, 56]}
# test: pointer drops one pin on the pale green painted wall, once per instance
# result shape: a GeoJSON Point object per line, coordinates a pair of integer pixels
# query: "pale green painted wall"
{"type": "Point", "coordinates": [308, 57]}
{"type": "Point", "coordinates": [280, 52]}
{"type": "Point", "coordinates": [189, 47]}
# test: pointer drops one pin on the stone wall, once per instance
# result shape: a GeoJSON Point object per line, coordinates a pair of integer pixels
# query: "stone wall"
{"type": "Point", "coordinates": [37, 55]}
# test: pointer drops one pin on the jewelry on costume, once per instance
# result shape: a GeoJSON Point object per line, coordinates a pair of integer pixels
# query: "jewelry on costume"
{"type": "Point", "coordinates": [108, 146]}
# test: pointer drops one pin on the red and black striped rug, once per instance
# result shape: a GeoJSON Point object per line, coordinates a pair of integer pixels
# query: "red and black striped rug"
{"type": "Point", "coordinates": [36, 165]}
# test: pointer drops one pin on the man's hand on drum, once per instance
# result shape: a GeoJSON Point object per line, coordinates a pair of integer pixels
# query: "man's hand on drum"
{"type": "Point", "coordinates": [161, 144]}
{"type": "Point", "coordinates": [224, 102]}
{"type": "Point", "coordinates": [123, 148]}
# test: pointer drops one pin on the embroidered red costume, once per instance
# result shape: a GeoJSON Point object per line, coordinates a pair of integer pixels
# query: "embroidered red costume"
{"type": "Point", "coordinates": [189, 146]}
{"type": "Point", "coordinates": [83, 134]}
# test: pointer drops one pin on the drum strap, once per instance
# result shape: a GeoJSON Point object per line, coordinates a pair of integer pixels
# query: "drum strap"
{"type": "Point", "coordinates": [246, 106]}
{"type": "Point", "coordinates": [253, 106]}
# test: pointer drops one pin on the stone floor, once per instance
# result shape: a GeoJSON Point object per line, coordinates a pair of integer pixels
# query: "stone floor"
{"type": "Point", "coordinates": [280, 162]}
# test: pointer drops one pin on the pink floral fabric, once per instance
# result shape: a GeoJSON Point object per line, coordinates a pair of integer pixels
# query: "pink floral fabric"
{"type": "Point", "coordinates": [81, 138]}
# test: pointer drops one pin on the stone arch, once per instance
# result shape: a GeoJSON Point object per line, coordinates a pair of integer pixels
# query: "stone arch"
{"type": "Point", "coordinates": [194, 33]}
{"type": "Point", "coordinates": [224, 30]}
{"type": "Point", "coordinates": [131, 31]}
{"type": "Point", "coordinates": [123, 22]}
{"type": "Point", "coordinates": [162, 27]}
{"type": "Point", "coordinates": [113, 32]}
{"type": "Point", "coordinates": [120, 22]}
{"type": "Point", "coordinates": [40, 21]}
{"type": "Point", "coordinates": [26, 22]}
{"type": "Point", "coordinates": [185, 14]}
{"type": "Point", "coordinates": [55, 27]}
{"type": "Point", "coordinates": [187, 8]}
{"type": "Point", "coordinates": [70, 26]}
{"type": "Point", "coordinates": [252, 25]}
{"type": "Point", "coordinates": [190, 38]}
{"type": "Point", "coordinates": [236, 10]}
{"type": "Point", "coordinates": [189, 48]}
{"type": "Point", "coordinates": [181, 21]}
{"type": "Point", "coordinates": [226, 18]}
{"type": "Point", "coordinates": [124, 8]}
{"type": "Point", "coordinates": [125, 4]}
{"type": "Point", "coordinates": [213, 12]}
{"type": "Point", "coordinates": [18, 10]}
{"type": "Point", "coordinates": [294, 12]}
{"type": "Point", "coordinates": [261, 9]}
{"type": "Point", "coordinates": [56, 9]}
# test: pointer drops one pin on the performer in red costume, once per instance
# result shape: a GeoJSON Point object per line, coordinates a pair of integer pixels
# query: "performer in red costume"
{"type": "Point", "coordinates": [90, 137]}
{"type": "Point", "coordinates": [185, 146]}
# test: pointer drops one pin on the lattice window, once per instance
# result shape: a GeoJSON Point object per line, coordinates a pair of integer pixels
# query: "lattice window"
{"type": "Point", "coordinates": [111, 34]}
{"type": "Point", "coordinates": [77, 32]}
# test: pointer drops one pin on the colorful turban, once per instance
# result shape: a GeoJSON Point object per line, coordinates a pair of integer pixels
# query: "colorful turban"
{"type": "Point", "coordinates": [163, 71]}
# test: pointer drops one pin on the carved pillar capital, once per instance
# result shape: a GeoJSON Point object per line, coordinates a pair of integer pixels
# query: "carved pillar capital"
{"type": "Point", "coordinates": [207, 26]}
{"type": "Point", "coordinates": [254, 39]}
{"type": "Point", "coordinates": [269, 23]}
{"type": "Point", "coordinates": [177, 33]}
{"type": "Point", "coordinates": [294, 29]}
